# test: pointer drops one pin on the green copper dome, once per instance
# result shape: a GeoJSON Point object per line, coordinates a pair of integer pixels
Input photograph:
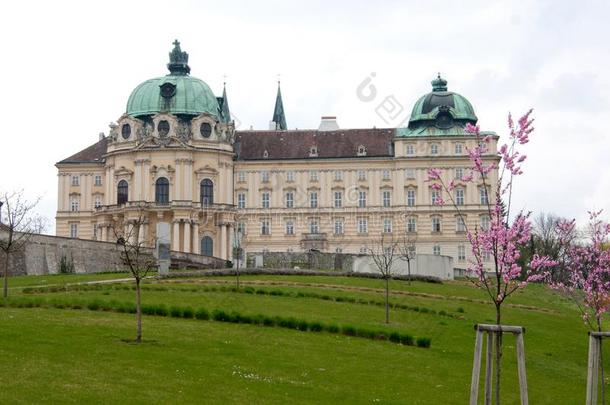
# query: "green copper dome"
{"type": "Point", "coordinates": [176, 93]}
{"type": "Point", "coordinates": [439, 112]}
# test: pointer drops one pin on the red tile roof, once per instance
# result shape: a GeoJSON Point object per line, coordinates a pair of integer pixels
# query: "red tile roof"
{"type": "Point", "coordinates": [297, 144]}
{"type": "Point", "coordinates": [91, 154]}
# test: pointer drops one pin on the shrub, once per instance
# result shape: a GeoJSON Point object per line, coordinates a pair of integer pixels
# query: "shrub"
{"type": "Point", "coordinates": [269, 321]}
{"type": "Point", "coordinates": [175, 312]}
{"type": "Point", "coordinates": [365, 333]}
{"type": "Point", "coordinates": [406, 339]}
{"type": "Point", "coordinates": [340, 299]}
{"type": "Point", "coordinates": [424, 310]}
{"type": "Point", "coordinates": [442, 313]}
{"type": "Point", "coordinates": [219, 315]}
{"type": "Point", "coordinates": [395, 337]}
{"type": "Point", "coordinates": [460, 310]}
{"type": "Point", "coordinates": [348, 330]}
{"type": "Point", "coordinates": [332, 328]}
{"type": "Point", "coordinates": [249, 290]}
{"type": "Point", "coordinates": [290, 323]}
{"type": "Point", "coordinates": [315, 326]}
{"type": "Point", "coordinates": [93, 305]}
{"type": "Point", "coordinates": [202, 314]}
{"type": "Point", "coordinates": [423, 342]}
{"type": "Point", "coordinates": [276, 292]}
{"type": "Point", "coordinates": [188, 313]}
{"type": "Point", "coordinates": [303, 325]}
{"type": "Point", "coordinates": [161, 310]}
{"type": "Point", "coordinates": [260, 292]}
{"type": "Point", "coordinates": [148, 309]}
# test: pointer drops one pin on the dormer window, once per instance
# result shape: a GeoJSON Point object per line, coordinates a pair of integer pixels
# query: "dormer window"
{"type": "Point", "coordinates": [434, 149]}
{"type": "Point", "coordinates": [205, 130]}
{"type": "Point", "coordinates": [361, 150]}
{"type": "Point", "coordinates": [126, 131]}
{"type": "Point", "coordinates": [163, 128]}
{"type": "Point", "coordinates": [265, 154]}
{"type": "Point", "coordinates": [313, 151]}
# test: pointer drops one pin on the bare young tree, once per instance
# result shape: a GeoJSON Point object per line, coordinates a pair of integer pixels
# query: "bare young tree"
{"type": "Point", "coordinates": [384, 250]}
{"type": "Point", "coordinates": [139, 261]}
{"type": "Point", "coordinates": [406, 250]}
{"type": "Point", "coordinates": [18, 222]}
{"type": "Point", "coordinates": [238, 251]}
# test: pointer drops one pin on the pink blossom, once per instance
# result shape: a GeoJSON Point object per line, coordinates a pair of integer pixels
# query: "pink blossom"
{"type": "Point", "coordinates": [434, 174]}
{"type": "Point", "coordinates": [436, 186]}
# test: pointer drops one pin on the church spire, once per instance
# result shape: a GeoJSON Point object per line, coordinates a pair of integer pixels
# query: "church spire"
{"type": "Point", "coordinates": [279, 119]}
{"type": "Point", "coordinates": [225, 113]}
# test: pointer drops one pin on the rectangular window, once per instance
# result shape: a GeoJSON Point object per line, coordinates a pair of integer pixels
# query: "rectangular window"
{"type": "Point", "coordinates": [459, 196]}
{"type": "Point", "coordinates": [241, 200]}
{"type": "Point", "coordinates": [241, 228]}
{"type": "Point", "coordinates": [289, 227]}
{"type": "Point", "coordinates": [410, 174]}
{"type": "Point", "coordinates": [459, 173]}
{"type": "Point", "coordinates": [436, 250]}
{"type": "Point", "coordinates": [314, 225]}
{"type": "Point", "coordinates": [241, 177]}
{"type": "Point", "coordinates": [386, 175]}
{"type": "Point", "coordinates": [74, 205]}
{"type": "Point", "coordinates": [362, 225]}
{"type": "Point", "coordinates": [486, 255]}
{"type": "Point", "coordinates": [458, 148]}
{"type": "Point", "coordinates": [483, 197]}
{"type": "Point", "coordinates": [338, 227]}
{"type": "Point", "coordinates": [74, 230]}
{"type": "Point", "coordinates": [265, 228]}
{"type": "Point", "coordinates": [290, 199]}
{"type": "Point", "coordinates": [436, 224]}
{"type": "Point", "coordinates": [313, 200]}
{"type": "Point", "coordinates": [362, 199]}
{"type": "Point", "coordinates": [460, 225]}
{"type": "Point", "coordinates": [435, 194]}
{"type": "Point", "coordinates": [265, 176]}
{"type": "Point", "coordinates": [75, 180]}
{"type": "Point", "coordinates": [98, 180]}
{"type": "Point", "coordinates": [485, 222]}
{"type": "Point", "coordinates": [338, 175]}
{"type": "Point", "coordinates": [461, 253]}
{"type": "Point", "coordinates": [363, 250]}
{"type": "Point", "coordinates": [290, 176]}
{"type": "Point", "coordinates": [265, 200]}
{"type": "Point", "coordinates": [386, 197]}
{"type": "Point", "coordinates": [338, 250]}
{"type": "Point", "coordinates": [361, 175]}
{"type": "Point", "coordinates": [434, 149]}
{"type": "Point", "coordinates": [387, 225]}
{"type": "Point", "coordinates": [410, 149]}
{"type": "Point", "coordinates": [411, 224]}
{"type": "Point", "coordinates": [411, 197]}
{"type": "Point", "coordinates": [338, 199]}
{"type": "Point", "coordinates": [313, 175]}
{"type": "Point", "coordinates": [98, 202]}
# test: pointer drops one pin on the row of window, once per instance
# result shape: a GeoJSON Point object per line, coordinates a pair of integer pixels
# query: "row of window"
{"type": "Point", "coordinates": [206, 191]}
{"type": "Point", "coordinates": [75, 180]}
{"type": "Point", "coordinates": [434, 149]}
{"type": "Point", "coordinates": [338, 175]}
{"type": "Point", "coordinates": [386, 198]}
{"type": "Point", "coordinates": [362, 225]}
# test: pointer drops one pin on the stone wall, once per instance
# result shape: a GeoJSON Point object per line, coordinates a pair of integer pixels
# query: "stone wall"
{"type": "Point", "coordinates": [423, 265]}
{"type": "Point", "coordinates": [46, 254]}
{"type": "Point", "coordinates": [301, 260]}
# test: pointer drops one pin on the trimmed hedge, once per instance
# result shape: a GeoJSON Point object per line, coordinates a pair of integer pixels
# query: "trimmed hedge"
{"type": "Point", "coordinates": [219, 315]}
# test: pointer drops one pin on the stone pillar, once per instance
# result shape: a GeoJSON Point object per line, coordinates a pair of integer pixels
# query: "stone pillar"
{"type": "Point", "coordinates": [104, 233]}
{"type": "Point", "coordinates": [196, 242]}
{"type": "Point", "coordinates": [223, 242]}
{"type": "Point", "coordinates": [186, 244]}
{"type": "Point", "coordinates": [231, 242]}
{"type": "Point", "coordinates": [176, 236]}
{"type": "Point", "coordinates": [146, 180]}
{"type": "Point", "coordinates": [178, 181]}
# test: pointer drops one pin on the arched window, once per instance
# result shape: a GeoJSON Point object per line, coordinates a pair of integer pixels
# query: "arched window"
{"type": "Point", "coordinates": [122, 194]}
{"type": "Point", "coordinates": [207, 246]}
{"type": "Point", "coordinates": [206, 191]}
{"type": "Point", "coordinates": [162, 191]}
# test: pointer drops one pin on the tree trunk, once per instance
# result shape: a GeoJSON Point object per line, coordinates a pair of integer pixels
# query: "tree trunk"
{"type": "Point", "coordinates": [387, 300]}
{"type": "Point", "coordinates": [5, 276]}
{"type": "Point", "coordinates": [601, 363]}
{"type": "Point", "coordinates": [138, 313]}
{"type": "Point", "coordinates": [409, 270]}
{"type": "Point", "coordinates": [237, 272]}
{"type": "Point", "coordinates": [498, 357]}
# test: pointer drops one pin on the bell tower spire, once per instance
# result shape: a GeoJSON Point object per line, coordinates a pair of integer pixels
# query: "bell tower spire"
{"type": "Point", "coordinates": [279, 118]}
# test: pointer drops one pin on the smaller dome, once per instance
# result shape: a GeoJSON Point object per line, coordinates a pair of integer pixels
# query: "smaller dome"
{"type": "Point", "coordinates": [441, 108]}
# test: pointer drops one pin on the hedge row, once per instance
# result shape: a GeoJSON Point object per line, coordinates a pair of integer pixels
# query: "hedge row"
{"type": "Point", "coordinates": [220, 315]}
{"type": "Point", "coordinates": [246, 290]}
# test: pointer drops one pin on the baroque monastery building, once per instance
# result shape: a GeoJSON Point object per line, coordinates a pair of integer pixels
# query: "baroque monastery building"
{"type": "Point", "coordinates": [175, 157]}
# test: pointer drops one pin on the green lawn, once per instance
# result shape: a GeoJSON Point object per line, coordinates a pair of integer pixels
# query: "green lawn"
{"type": "Point", "coordinates": [77, 355]}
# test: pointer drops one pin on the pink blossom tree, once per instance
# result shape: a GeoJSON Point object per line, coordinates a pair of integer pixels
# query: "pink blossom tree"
{"type": "Point", "coordinates": [588, 268]}
{"type": "Point", "coordinates": [500, 240]}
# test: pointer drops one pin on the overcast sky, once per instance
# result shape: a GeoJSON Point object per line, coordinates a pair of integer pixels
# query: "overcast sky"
{"type": "Point", "coordinates": [69, 67]}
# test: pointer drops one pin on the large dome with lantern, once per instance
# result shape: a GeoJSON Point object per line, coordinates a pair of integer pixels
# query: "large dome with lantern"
{"type": "Point", "coordinates": [177, 93]}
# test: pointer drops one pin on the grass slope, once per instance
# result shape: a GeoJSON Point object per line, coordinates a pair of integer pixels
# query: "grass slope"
{"type": "Point", "coordinates": [53, 355]}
